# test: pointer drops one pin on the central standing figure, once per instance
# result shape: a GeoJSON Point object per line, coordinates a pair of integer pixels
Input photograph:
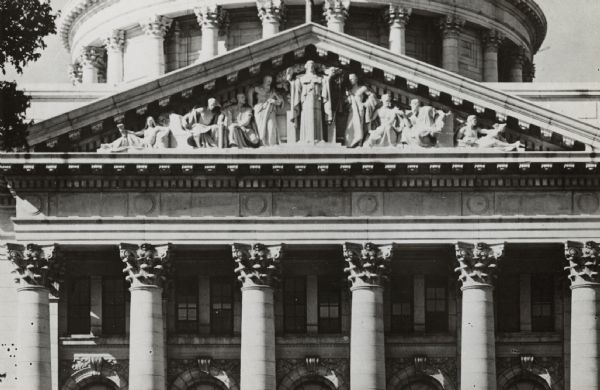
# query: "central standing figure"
{"type": "Point", "coordinates": [265, 110]}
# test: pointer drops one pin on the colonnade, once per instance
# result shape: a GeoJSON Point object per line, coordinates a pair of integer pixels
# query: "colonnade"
{"type": "Point", "coordinates": [258, 268]}
{"type": "Point", "coordinates": [212, 18]}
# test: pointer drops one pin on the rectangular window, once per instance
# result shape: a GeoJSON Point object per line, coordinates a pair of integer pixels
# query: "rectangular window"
{"type": "Point", "coordinates": [221, 305]}
{"type": "Point", "coordinates": [114, 292]}
{"type": "Point", "coordinates": [542, 303]}
{"type": "Point", "coordinates": [401, 301]}
{"type": "Point", "coordinates": [508, 303]}
{"type": "Point", "coordinates": [78, 307]}
{"type": "Point", "coordinates": [294, 304]}
{"type": "Point", "coordinates": [186, 297]}
{"type": "Point", "coordinates": [329, 296]}
{"type": "Point", "coordinates": [436, 303]}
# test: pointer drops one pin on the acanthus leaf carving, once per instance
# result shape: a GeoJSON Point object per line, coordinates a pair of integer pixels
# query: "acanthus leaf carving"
{"type": "Point", "coordinates": [478, 262]}
{"type": "Point", "coordinates": [258, 264]}
{"type": "Point", "coordinates": [368, 264]}
{"type": "Point", "coordinates": [146, 264]}
{"type": "Point", "coordinates": [37, 265]}
{"type": "Point", "coordinates": [583, 261]}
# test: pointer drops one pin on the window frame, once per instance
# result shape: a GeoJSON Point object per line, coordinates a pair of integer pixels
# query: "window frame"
{"type": "Point", "coordinates": [546, 280]}
{"type": "Point", "coordinates": [85, 327]}
{"type": "Point", "coordinates": [296, 327]}
{"type": "Point", "coordinates": [397, 280]}
{"type": "Point", "coordinates": [337, 327]}
{"type": "Point", "coordinates": [429, 321]}
{"type": "Point", "coordinates": [187, 326]}
{"type": "Point", "coordinates": [121, 329]}
{"type": "Point", "coordinates": [213, 324]}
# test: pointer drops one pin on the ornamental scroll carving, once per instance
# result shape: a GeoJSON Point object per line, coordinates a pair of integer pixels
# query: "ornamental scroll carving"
{"type": "Point", "coordinates": [583, 261]}
{"type": "Point", "coordinates": [258, 264]}
{"type": "Point", "coordinates": [37, 265]}
{"type": "Point", "coordinates": [478, 262]}
{"type": "Point", "coordinates": [367, 264]}
{"type": "Point", "coordinates": [146, 264]}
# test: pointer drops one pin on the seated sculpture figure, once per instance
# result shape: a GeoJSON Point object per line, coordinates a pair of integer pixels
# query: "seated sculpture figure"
{"type": "Point", "coordinates": [241, 126]}
{"type": "Point", "coordinates": [128, 140]}
{"type": "Point", "coordinates": [155, 136]}
{"type": "Point", "coordinates": [425, 124]}
{"type": "Point", "coordinates": [392, 122]}
{"type": "Point", "coordinates": [471, 135]}
{"type": "Point", "coordinates": [206, 125]}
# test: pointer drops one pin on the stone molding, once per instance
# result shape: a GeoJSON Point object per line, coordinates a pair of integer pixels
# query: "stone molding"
{"type": "Point", "coordinates": [331, 372]}
{"type": "Point", "coordinates": [115, 41]}
{"type": "Point", "coordinates": [478, 263]}
{"type": "Point", "coordinates": [156, 25]}
{"type": "Point", "coordinates": [184, 373]}
{"type": "Point", "coordinates": [37, 265]}
{"type": "Point", "coordinates": [336, 10]}
{"type": "Point", "coordinates": [258, 264]}
{"type": "Point", "coordinates": [452, 25]}
{"type": "Point", "coordinates": [271, 10]}
{"type": "Point", "coordinates": [82, 371]}
{"type": "Point", "coordinates": [397, 15]}
{"type": "Point", "coordinates": [583, 262]}
{"type": "Point", "coordinates": [146, 264]}
{"type": "Point", "coordinates": [436, 370]}
{"type": "Point", "coordinates": [367, 264]}
{"type": "Point", "coordinates": [546, 371]}
{"type": "Point", "coordinates": [210, 14]}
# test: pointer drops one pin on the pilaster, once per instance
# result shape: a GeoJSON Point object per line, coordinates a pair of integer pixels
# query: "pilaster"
{"type": "Point", "coordinates": [477, 271]}
{"type": "Point", "coordinates": [90, 59]}
{"type": "Point", "coordinates": [155, 28]}
{"type": "Point", "coordinates": [491, 41]}
{"type": "Point", "coordinates": [271, 14]}
{"type": "Point", "coordinates": [336, 13]}
{"type": "Point", "coordinates": [368, 266]}
{"type": "Point", "coordinates": [147, 269]}
{"type": "Point", "coordinates": [451, 27]}
{"type": "Point", "coordinates": [258, 268]}
{"type": "Point", "coordinates": [398, 18]}
{"type": "Point", "coordinates": [582, 266]}
{"type": "Point", "coordinates": [211, 18]}
{"type": "Point", "coordinates": [114, 43]}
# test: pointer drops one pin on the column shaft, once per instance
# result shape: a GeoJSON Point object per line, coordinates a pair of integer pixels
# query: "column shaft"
{"type": "Point", "coordinates": [450, 52]}
{"type": "Point", "coordinates": [114, 67]}
{"type": "Point", "coordinates": [34, 370]}
{"type": "Point", "coordinates": [336, 24]}
{"type": "Point", "coordinates": [155, 63]}
{"type": "Point", "coordinates": [367, 343]}
{"type": "Point", "coordinates": [478, 365]}
{"type": "Point", "coordinates": [516, 72]}
{"type": "Point", "coordinates": [258, 339]}
{"type": "Point", "coordinates": [210, 41]}
{"type": "Point", "coordinates": [398, 38]}
{"type": "Point", "coordinates": [585, 343]}
{"type": "Point", "coordinates": [146, 343]}
{"type": "Point", "coordinates": [89, 74]}
{"type": "Point", "coordinates": [490, 64]}
{"type": "Point", "coordinates": [270, 27]}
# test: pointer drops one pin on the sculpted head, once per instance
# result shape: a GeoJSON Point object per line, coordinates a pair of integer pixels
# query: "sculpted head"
{"type": "Point", "coordinates": [386, 99]}
{"type": "Point", "coordinates": [310, 66]}
{"type": "Point", "coordinates": [241, 98]}
{"type": "Point", "coordinates": [212, 104]}
{"type": "Point", "coordinates": [267, 81]}
{"type": "Point", "coordinates": [472, 120]}
{"type": "Point", "coordinates": [415, 104]}
{"type": "Point", "coordinates": [353, 78]}
{"type": "Point", "coordinates": [150, 122]}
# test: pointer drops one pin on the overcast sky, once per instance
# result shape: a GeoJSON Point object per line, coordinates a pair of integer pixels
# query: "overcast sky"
{"type": "Point", "coordinates": [570, 53]}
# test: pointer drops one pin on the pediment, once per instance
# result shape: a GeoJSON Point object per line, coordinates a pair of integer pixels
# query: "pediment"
{"type": "Point", "coordinates": [381, 71]}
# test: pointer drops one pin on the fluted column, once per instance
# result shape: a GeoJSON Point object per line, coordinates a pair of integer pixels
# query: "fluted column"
{"type": "Point", "coordinates": [451, 27]}
{"type": "Point", "coordinates": [155, 28]}
{"type": "Point", "coordinates": [39, 270]}
{"type": "Point", "coordinates": [90, 60]}
{"type": "Point", "coordinates": [271, 13]}
{"type": "Point", "coordinates": [367, 269]}
{"type": "Point", "coordinates": [585, 308]}
{"type": "Point", "coordinates": [491, 42]}
{"type": "Point", "coordinates": [336, 13]}
{"type": "Point", "coordinates": [210, 17]}
{"type": "Point", "coordinates": [147, 269]}
{"type": "Point", "coordinates": [398, 18]}
{"type": "Point", "coordinates": [517, 58]}
{"type": "Point", "coordinates": [114, 42]}
{"type": "Point", "coordinates": [477, 271]}
{"type": "Point", "coordinates": [257, 268]}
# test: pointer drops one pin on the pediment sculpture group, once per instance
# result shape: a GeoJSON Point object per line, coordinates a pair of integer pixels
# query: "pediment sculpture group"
{"type": "Point", "coordinates": [317, 104]}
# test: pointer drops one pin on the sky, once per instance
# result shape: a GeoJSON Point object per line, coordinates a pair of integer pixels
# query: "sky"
{"type": "Point", "coordinates": [570, 53]}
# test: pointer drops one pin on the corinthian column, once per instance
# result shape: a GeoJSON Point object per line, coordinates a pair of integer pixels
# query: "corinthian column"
{"type": "Point", "coordinates": [90, 59]}
{"type": "Point", "coordinates": [491, 42]}
{"type": "Point", "coordinates": [271, 13]}
{"type": "Point", "coordinates": [585, 304]}
{"type": "Point", "coordinates": [146, 268]}
{"type": "Point", "coordinates": [39, 270]}
{"type": "Point", "coordinates": [451, 27]}
{"type": "Point", "coordinates": [258, 269]}
{"type": "Point", "coordinates": [516, 70]}
{"type": "Point", "coordinates": [477, 270]}
{"type": "Point", "coordinates": [398, 18]}
{"type": "Point", "coordinates": [368, 266]}
{"type": "Point", "coordinates": [210, 17]}
{"type": "Point", "coordinates": [336, 13]}
{"type": "Point", "coordinates": [155, 28]}
{"type": "Point", "coordinates": [114, 43]}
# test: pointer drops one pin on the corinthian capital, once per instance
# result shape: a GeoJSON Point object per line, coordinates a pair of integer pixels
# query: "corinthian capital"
{"type": "Point", "coordinates": [336, 9]}
{"type": "Point", "coordinates": [478, 262]}
{"type": "Point", "coordinates": [367, 264]}
{"type": "Point", "coordinates": [271, 10]}
{"type": "Point", "coordinates": [75, 73]}
{"type": "Point", "coordinates": [36, 265]}
{"type": "Point", "coordinates": [492, 39]}
{"type": "Point", "coordinates": [91, 56]}
{"type": "Point", "coordinates": [395, 14]}
{"type": "Point", "coordinates": [146, 264]}
{"type": "Point", "coordinates": [115, 41]}
{"type": "Point", "coordinates": [156, 25]}
{"type": "Point", "coordinates": [452, 25]}
{"type": "Point", "coordinates": [258, 264]}
{"type": "Point", "coordinates": [583, 262]}
{"type": "Point", "coordinates": [210, 14]}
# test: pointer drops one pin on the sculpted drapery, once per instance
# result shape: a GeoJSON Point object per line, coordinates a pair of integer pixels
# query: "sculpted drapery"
{"type": "Point", "coordinates": [266, 101]}
{"type": "Point", "coordinates": [362, 105]}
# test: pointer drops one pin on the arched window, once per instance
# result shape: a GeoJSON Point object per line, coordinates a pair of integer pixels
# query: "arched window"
{"type": "Point", "coordinates": [98, 386]}
{"type": "Point", "coordinates": [421, 384]}
{"type": "Point", "coordinates": [205, 386]}
{"type": "Point", "coordinates": [525, 384]}
{"type": "Point", "coordinates": [312, 386]}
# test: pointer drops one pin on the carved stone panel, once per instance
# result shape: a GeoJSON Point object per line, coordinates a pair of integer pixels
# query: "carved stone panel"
{"type": "Point", "coordinates": [533, 203]}
{"type": "Point", "coordinates": [422, 203]}
{"type": "Point", "coordinates": [367, 204]}
{"type": "Point", "coordinates": [586, 203]}
{"type": "Point", "coordinates": [315, 204]}
{"type": "Point", "coordinates": [216, 204]}
{"type": "Point", "coordinates": [143, 204]}
{"type": "Point", "coordinates": [256, 204]}
{"type": "Point", "coordinates": [478, 203]}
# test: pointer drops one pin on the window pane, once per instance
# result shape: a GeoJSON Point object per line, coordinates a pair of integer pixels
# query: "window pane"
{"type": "Point", "coordinates": [186, 296]}
{"type": "Point", "coordinates": [508, 302]}
{"type": "Point", "coordinates": [542, 303]}
{"type": "Point", "coordinates": [221, 302]}
{"type": "Point", "coordinates": [401, 297]}
{"type": "Point", "coordinates": [294, 309]}
{"type": "Point", "coordinates": [114, 291]}
{"type": "Point", "coordinates": [329, 292]}
{"type": "Point", "coordinates": [78, 308]}
{"type": "Point", "coordinates": [436, 305]}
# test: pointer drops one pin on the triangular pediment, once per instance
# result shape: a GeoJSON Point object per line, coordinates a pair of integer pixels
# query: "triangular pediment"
{"type": "Point", "coordinates": [404, 78]}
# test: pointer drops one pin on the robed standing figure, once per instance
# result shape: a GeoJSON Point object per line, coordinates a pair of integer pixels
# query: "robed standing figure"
{"type": "Point", "coordinates": [265, 100]}
{"type": "Point", "coordinates": [362, 104]}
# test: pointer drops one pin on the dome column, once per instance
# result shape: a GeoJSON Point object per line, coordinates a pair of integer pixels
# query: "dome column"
{"type": "Point", "coordinates": [367, 269]}
{"type": "Point", "coordinates": [491, 42]}
{"type": "Point", "coordinates": [583, 262]}
{"type": "Point", "coordinates": [155, 28]}
{"type": "Point", "coordinates": [258, 268]}
{"type": "Point", "coordinates": [211, 18]}
{"type": "Point", "coordinates": [146, 268]}
{"type": "Point", "coordinates": [451, 27]}
{"type": "Point", "coordinates": [398, 18]}
{"type": "Point", "coordinates": [477, 271]}
{"type": "Point", "coordinates": [39, 271]}
{"type": "Point", "coordinates": [115, 42]}
{"type": "Point", "coordinates": [90, 60]}
{"type": "Point", "coordinates": [336, 13]}
{"type": "Point", "coordinates": [271, 14]}
{"type": "Point", "coordinates": [517, 62]}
